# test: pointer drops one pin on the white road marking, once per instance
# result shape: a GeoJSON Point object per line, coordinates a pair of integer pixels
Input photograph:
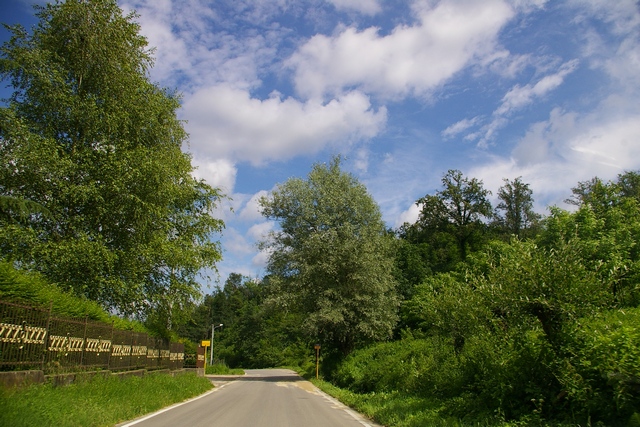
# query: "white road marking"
{"type": "Point", "coordinates": [168, 408]}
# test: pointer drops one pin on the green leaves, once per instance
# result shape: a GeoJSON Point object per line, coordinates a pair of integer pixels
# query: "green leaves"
{"type": "Point", "coordinates": [332, 259]}
{"type": "Point", "coordinates": [88, 137]}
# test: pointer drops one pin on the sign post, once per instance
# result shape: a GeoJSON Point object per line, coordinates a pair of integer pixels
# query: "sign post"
{"type": "Point", "coordinates": [317, 347]}
{"type": "Point", "coordinates": [205, 344]}
{"type": "Point", "coordinates": [200, 361]}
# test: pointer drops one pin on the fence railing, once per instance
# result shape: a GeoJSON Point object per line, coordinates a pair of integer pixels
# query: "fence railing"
{"type": "Point", "coordinates": [33, 338]}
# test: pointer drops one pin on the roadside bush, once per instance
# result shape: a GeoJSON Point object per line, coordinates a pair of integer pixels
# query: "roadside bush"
{"type": "Point", "coordinates": [506, 376]}
{"type": "Point", "coordinates": [602, 380]}
{"type": "Point", "coordinates": [413, 366]}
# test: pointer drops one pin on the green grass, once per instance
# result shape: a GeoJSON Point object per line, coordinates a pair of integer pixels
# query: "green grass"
{"type": "Point", "coordinates": [395, 409]}
{"type": "Point", "coordinates": [97, 402]}
{"type": "Point", "coordinates": [391, 409]}
{"type": "Point", "coordinates": [221, 369]}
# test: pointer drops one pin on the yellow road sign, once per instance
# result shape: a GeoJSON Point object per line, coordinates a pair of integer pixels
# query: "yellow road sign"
{"type": "Point", "coordinates": [206, 343]}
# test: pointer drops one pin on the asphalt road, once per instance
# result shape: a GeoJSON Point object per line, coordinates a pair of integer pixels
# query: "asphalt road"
{"type": "Point", "coordinates": [260, 398]}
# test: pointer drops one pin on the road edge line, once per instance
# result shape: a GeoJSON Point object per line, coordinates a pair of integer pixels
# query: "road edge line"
{"type": "Point", "coordinates": [175, 405]}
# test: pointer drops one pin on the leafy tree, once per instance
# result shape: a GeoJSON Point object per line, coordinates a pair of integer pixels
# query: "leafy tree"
{"type": "Point", "coordinates": [445, 306]}
{"type": "Point", "coordinates": [254, 335]}
{"type": "Point", "coordinates": [332, 259]}
{"type": "Point", "coordinates": [413, 262]}
{"type": "Point", "coordinates": [514, 212]}
{"type": "Point", "coordinates": [87, 136]}
{"type": "Point", "coordinates": [629, 184]}
{"type": "Point", "coordinates": [598, 194]}
{"type": "Point", "coordinates": [457, 210]}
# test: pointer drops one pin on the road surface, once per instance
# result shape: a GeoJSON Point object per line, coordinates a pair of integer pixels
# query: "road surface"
{"type": "Point", "coordinates": [260, 398]}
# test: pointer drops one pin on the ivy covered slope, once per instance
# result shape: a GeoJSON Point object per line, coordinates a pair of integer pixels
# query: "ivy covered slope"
{"type": "Point", "coordinates": [92, 150]}
{"type": "Point", "coordinates": [30, 289]}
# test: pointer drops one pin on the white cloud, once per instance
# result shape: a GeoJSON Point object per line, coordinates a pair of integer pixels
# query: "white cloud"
{"type": "Point", "coordinates": [410, 216]}
{"type": "Point", "coordinates": [261, 259]}
{"type": "Point", "coordinates": [252, 210]}
{"type": "Point", "coordinates": [227, 122]}
{"type": "Point", "coordinates": [521, 96]}
{"type": "Point", "coordinates": [361, 162]}
{"type": "Point", "coordinates": [367, 7]}
{"type": "Point", "coordinates": [410, 60]}
{"type": "Point", "coordinates": [236, 243]}
{"type": "Point", "coordinates": [260, 231]}
{"type": "Point", "coordinates": [517, 98]}
{"type": "Point", "coordinates": [220, 173]}
{"type": "Point", "coordinates": [459, 127]}
{"type": "Point", "coordinates": [193, 50]}
{"type": "Point", "coordinates": [554, 155]}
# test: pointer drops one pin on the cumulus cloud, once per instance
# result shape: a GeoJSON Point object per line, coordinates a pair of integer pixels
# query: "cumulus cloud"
{"type": "Point", "coordinates": [252, 210]}
{"type": "Point", "coordinates": [411, 60]}
{"type": "Point", "coordinates": [236, 243]}
{"type": "Point", "coordinates": [260, 231]}
{"type": "Point", "coordinates": [410, 216]}
{"type": "Point", "coordinates": [261, 259]}
{"type": "Point", "coordinates": [556, 154]}
{"type": "Point", "coordinates": [227, 122]}
{"type": "Point", "coordinates": [193, 48]}
{"type": "Point", "coordinates": [220, 173]}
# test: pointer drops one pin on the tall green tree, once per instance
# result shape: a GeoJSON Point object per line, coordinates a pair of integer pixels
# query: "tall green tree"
{"type": "Point", "coordinates": [458, 210]}
{"type": "Point", "coordinates": [87, 136]}
{"type": "Point", "coordinates": [514, 213]}
{"type": "Point", "coordinates": [332, 258]}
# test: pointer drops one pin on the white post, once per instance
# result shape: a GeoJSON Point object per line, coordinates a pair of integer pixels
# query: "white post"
{"type": "Point", "coordinates": [211, 349]}
{"type": "Point", "coordinates": [213, 331]}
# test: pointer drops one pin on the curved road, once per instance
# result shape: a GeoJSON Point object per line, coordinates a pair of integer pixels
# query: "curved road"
{"type": "Point", "coordinates": [262, 397]}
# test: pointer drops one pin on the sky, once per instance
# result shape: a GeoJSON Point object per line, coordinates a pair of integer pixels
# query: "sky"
{"type": "Point", "coordinates": [403, 90]}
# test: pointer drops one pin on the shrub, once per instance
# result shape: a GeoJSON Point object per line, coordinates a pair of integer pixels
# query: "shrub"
{"type": "Point", "coordinates": [414, 366]}
{"type": "Point", "coordinates": [602, 378]}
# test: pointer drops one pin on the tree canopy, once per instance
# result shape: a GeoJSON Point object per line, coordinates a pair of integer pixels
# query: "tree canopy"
{"type": "Point", "coordinates": [332, 258]}
{"type": "Point", "coordinates": [86, 136]}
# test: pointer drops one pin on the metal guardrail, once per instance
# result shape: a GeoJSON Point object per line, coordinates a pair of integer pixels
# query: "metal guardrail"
{"type": "Point", "coordinates": [33, 338]}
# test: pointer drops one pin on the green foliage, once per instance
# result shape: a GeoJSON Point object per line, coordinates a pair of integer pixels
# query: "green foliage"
{"type": "Point", "coordinates": [425, 367]}
{"type": "Point", "coordinates": [514, 213]}
{"type": "Point", "coordinates": [607, 240]}
{"type": "Point", "coordinates": [458, 209]}
{"type": "Point", "coordinates": [447, 307]}
{"type": "Point", "coordinates": [98, 146]}
{"type": "Point", "coordinates": [527, 287]}
{"type": "Point", "coordinates": [603, 380]}
{"type": "Point", "coordinates": [222, 369]}
{"type": "Point", "coordinates": [254, 335]}
{"type": "Point", "coordinates": [17, 210]}
{"type": "Point", "coordinates": [332, 259]}
{"type": "Point", "coordinates": [394, 409]}
{"type": "Point", "coordinates": [31, 289]}
{"type": "Point", "coordinates": [512, 331]}
{"type": "Point", "coordinates": [97, 402]}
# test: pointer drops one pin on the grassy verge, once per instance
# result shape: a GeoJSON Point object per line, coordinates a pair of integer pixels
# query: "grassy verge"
{"type": "Point", "coordinates": [221, 369]}
{"type": "Point", "coordinates": [392, 409]}
{"type": "Point", "coordinates": [98, 402]}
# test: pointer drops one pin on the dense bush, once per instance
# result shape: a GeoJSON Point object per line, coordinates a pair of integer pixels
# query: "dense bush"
{"type": "Point", "coordinates": [419, 366]}
{"type": "Point", "coordinates": [602, 379]}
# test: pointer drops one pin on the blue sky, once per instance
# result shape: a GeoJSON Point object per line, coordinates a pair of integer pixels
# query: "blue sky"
{"type": "Point", "coordinates": [404, 90]}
